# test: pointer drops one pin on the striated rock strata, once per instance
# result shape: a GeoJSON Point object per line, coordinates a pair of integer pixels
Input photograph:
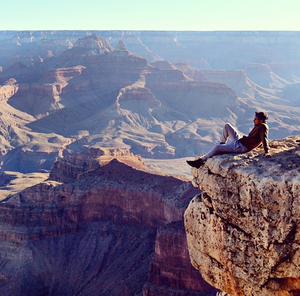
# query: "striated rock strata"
{"type": "Point", "coordinates": [171, 272]}
{"type": "Point", "coordinates": [91, 229]}
{"type": "Point", "coordinates": [243, 230]}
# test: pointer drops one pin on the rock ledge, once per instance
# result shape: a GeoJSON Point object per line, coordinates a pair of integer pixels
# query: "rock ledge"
{"type": "Point", "coordinates": [243, 230]}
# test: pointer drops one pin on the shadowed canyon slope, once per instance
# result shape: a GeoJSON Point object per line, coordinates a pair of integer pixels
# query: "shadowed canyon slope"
{"type": "Point", "coordinates": [98, 226]}
{"type": "Point", "coordinates": [243, 229]}
{"type": "Point", "coordinates": [159, 94]}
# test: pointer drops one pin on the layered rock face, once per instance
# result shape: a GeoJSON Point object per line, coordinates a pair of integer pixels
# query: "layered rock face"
{"type": "Point", "coordinates": [171, 272]}
{"type": "Point", "coordinates": [94, 232]}
{"type": "Point", "coordinates": [200, 97]}
{"type": "Point", "coordinates": [8, 90]}
{"type": "Point", "coordinates": [92, 45]}
{"type": "Point", "coordinates": [70, 167]}
{"type": "Point", "coordinates": [243, 229]}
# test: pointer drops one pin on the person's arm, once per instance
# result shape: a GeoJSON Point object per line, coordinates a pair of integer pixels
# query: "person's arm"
{"type": "Point", "coordinates": [264, 138]}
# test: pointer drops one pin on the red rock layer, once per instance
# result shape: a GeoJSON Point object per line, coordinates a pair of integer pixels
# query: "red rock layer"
{"type": "Point", "coordinates": [95, 235]}
{"type": "Point", "coordinates": [171, 272]}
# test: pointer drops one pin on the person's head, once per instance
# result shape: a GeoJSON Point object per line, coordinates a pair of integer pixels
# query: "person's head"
{"type": "Point", "coordinates": [260, 117]}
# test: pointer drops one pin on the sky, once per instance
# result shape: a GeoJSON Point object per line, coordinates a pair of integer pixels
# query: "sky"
{"type": "Point", "coordinates": [166, 15]}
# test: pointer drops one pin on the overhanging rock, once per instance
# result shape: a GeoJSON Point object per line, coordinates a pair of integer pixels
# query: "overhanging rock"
{"type": "Point", "coordinates": [243, 230]}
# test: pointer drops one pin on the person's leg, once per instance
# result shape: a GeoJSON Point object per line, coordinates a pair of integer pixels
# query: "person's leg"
{"type": "Point", "coordinates": [229, 132]}
{"type": "Point", "coordinates": [217, 150]}
{"type": "Point", "coordinates": [232, 147]}
{"type": "Point", "coordinates": [195, 163]}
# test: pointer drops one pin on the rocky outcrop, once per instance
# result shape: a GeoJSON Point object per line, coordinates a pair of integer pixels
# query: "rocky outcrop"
{"type": "Point", "coordinates": [43, 95]}
{"type": "Point", "coordinates": [90, 45]}
{"type": "Point", "coordinates": [136, 93]}
{"type": "Point", "coordinates": [263, 75]}
{"type": "Point", "coordinates": [200, 98]}
{"type": "Point", "coordinates": [5, 179]}
{"type": "Point", "coordinates": [121, 49]}
{"type": "Point", "coordinates": [62, 75]}
{"type": "Point", "coordinates": [8, 89]}
{"type": "Point", "coordinates": [243, 229]}
{"type": "Point", "coordinates": [27, 160]}
{"type": "Point", "coordinates": [121, 46]}
{"type": "Point", "coordinates": [70, 167]}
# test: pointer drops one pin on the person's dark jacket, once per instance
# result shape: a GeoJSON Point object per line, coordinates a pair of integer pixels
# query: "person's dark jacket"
{"type": "Point", "coordinates": [259, 134]}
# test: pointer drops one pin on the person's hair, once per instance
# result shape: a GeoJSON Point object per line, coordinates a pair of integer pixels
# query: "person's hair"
{"type": "Point", "coordinates": [261, 116]}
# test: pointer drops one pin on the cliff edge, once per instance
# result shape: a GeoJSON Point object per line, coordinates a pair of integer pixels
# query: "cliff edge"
{"type": "Point", "coordinates": [243, 230]}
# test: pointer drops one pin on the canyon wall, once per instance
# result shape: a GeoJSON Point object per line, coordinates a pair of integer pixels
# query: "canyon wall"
{"type": "Point", "coordinates": [102, 224]}
{"type": "Point", "coordinates": [171, 272]}
{"type": "Point", "coordinates": [243, 229]}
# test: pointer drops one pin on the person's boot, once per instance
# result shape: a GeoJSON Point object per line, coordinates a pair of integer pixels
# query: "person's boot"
{"type": "Point", "coordinates": [195, 163]}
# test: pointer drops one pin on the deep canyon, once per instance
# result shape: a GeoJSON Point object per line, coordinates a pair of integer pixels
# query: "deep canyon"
{"type": "Point", "coordinates": [95, 128]}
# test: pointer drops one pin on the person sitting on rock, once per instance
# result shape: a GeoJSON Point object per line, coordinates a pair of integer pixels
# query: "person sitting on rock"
{"type": "Point", "coordinates": [238, 144]}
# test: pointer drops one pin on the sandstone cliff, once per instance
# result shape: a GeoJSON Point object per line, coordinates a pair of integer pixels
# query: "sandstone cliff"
{"type": "Point", "coordinates": [243, 229]}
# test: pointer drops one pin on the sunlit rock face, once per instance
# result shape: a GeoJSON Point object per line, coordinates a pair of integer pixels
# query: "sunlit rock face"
{"type": "Point", "coordinates": [243, 229]}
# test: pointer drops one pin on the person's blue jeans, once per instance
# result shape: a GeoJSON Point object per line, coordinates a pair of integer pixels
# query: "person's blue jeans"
{"type": "Point", "coordinates": [234, 146]}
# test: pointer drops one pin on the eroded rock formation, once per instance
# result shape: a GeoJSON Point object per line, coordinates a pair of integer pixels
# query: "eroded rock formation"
{"type": "Point", "coordinates": [243, 229]}
{"type": "Point", "coordinates": [91, 229]}
{"type": "Point", "coordinates": [105, 91]}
